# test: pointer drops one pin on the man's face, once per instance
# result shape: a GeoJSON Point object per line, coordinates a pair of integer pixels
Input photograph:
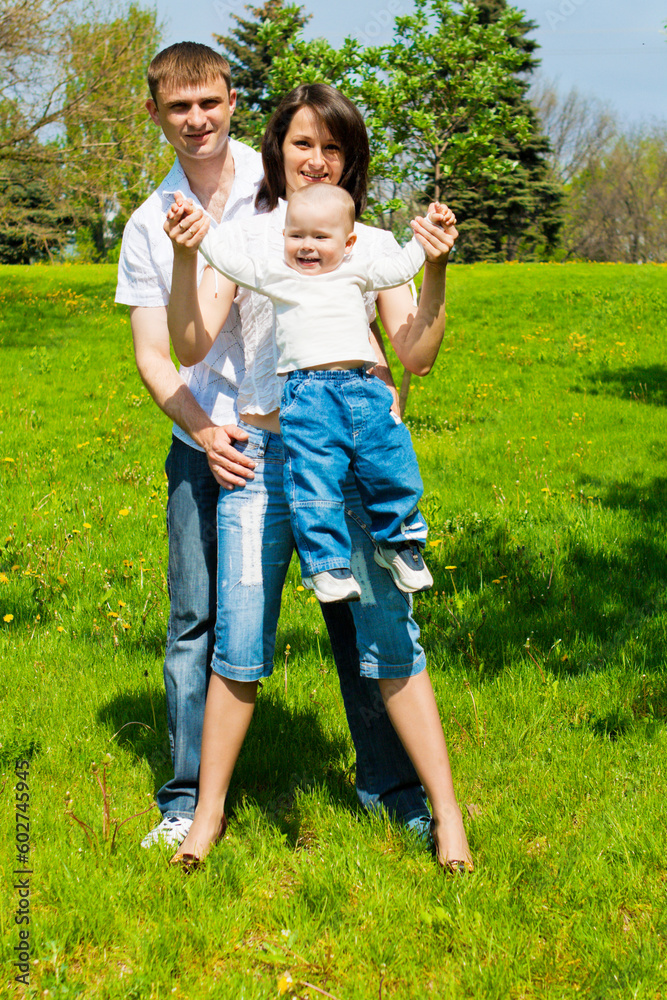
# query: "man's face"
{"type": "Point", "coordinates": [195, 120]}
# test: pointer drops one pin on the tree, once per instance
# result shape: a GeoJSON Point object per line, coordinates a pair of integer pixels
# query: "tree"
{"type": "Point", "coordinates": [440, 102]}
{"type": "Point", "coordinates": [578, 128]}
{"type": "Point", "coordinates": [517, 213]}
{"type": "Point", "coordinates": [72, 90]}
{"type": "Point", "coordinates": [31, 82]}
{"type": "Point", "coordinates": [249, 55]}
{"type": "Point", "coordinates": [36, 217]}
{"type": "Point", "coordinates": [112, 150]}
{"type": "Point", "coordinates": [617, 204]}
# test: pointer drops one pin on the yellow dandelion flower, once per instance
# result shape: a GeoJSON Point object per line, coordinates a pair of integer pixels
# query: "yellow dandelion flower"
{"type": "Point", "coordinates": [122, 604]}
{"type": "Point", "coordinates": [8, 618]}
{"type": "Point", "coordinates": [285, 984]}
{"type": "Point", "coordinates": [126, 626]}
{"type": "Point", "coordinates": [4, 578]}
{"type": "Point", "coordinates": [300, 587]}
{"type": "Point", "coordinates": [8, 460]}
{"type": "Point", "coordinates": [86, 525]}
{"type": "Point", "coordinates": [450, 567]}
{"type": "Point", "coordinates": [60, 629]}
{"type": "Point", "coordinates": [124, 512]}
{"type": "Point", "coordinates": [112, 614]}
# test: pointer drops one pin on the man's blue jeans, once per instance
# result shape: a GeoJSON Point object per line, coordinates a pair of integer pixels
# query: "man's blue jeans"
{"type": "Point", "coordinates": [331, 422]}
{"type": "Point", "coordinates": [385, 775]}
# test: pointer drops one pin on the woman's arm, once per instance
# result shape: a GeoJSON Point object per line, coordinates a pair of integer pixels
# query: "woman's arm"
{"type": "Point", "coordinates": [195, 315]}
{"type": "Point", "coordinates": [416, 333]}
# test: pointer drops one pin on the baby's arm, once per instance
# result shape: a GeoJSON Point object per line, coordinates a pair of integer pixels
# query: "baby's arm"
{"type": "Point", "coordinates": [236, 266]}
{"type": "Point", "coordinates": [398, 269]}
{"type": "Point", "coordinates": [390, 272]}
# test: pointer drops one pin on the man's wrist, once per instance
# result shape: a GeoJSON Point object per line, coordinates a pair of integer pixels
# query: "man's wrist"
{"type": "Point", "coordinates": [205, 436]}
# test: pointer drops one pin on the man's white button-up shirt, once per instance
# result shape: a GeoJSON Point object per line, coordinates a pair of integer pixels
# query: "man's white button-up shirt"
{"type": "Point", "coordinates": [144, 279]}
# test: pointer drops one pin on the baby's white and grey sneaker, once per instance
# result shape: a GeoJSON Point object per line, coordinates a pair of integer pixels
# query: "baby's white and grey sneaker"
{"type": "Point", "coordinates": [333, 585]}
{"type": "Point", "coordinates": [406, 566]}
{"type": "Point", "coordinates": [172, 831]}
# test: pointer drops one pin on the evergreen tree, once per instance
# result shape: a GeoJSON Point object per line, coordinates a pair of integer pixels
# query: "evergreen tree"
{"type": "Point", "coordinates": [250, 56]}
{"type": "Point", "coordinates": [36, 217]}
{"type": "Point", "coordinates": [517, 214]}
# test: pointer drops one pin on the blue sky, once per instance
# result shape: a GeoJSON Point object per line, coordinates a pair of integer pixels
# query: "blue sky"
{"type": "Point", "coordinates": [615, 50]}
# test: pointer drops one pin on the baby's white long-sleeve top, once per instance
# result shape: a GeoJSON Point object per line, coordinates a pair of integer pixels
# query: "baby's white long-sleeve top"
{"type": "Point", "coordinates": [318, 318]}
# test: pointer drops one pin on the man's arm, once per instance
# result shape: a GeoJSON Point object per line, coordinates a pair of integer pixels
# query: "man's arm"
{"type": "Point", "coordinates": [150, 335]}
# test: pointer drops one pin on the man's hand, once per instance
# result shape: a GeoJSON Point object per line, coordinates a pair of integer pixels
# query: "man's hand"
{"type": "Point", "coordinates": [437, 233]}
{"type": "Point", "coordinates": [229, 466]}
{"type": "Point", "coordinates": [185, 225]}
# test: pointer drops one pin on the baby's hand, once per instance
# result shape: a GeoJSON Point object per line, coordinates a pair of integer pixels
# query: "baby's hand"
{"type": "Point", "coordinates": [186, 226]}
{"type": "Point", "coordinates": [437, 232]}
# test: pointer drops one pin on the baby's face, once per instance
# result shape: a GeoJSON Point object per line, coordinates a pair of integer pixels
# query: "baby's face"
{"type": "Point", "coordinates": [316, 239]}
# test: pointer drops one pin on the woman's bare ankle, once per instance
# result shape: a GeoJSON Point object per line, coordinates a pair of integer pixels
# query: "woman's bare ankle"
{"type": "Point", "coordinates": [449, 837]}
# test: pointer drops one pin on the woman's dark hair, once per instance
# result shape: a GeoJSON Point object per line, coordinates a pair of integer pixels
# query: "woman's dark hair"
{"type": "Point", "coordinates": [344, 121]}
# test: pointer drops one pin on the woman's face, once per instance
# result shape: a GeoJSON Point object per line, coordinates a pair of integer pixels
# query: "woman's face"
{"type": "Point", "coordinates": [311, 155]}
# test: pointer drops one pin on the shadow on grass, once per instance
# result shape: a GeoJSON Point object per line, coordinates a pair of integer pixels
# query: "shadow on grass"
{"type": "Point", "coordinates": [643, 383]}
{"type": "Point", "coordinates": [286, 749]}
{"type": "Point", "coordinates": [555, 593]}
{"type": "Point", "coordinates": [645, 499]}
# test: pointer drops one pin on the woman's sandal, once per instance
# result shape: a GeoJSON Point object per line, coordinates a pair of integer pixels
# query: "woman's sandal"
{"type": "Point", "coordinates": [451, 866]}
{"type": "Point", "coordinates": [190, 862]}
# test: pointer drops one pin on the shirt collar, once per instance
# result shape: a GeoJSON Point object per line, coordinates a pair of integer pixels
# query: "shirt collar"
{"type": "Point", "coordinates": [244, 186]}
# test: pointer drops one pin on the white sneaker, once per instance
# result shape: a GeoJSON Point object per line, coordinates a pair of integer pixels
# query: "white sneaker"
{"type": "Point", "coordinates": [172, 831]}
{"type": "Point", "coordinates": [333, 585]}
{"type": "Point", "coordinates": [406, 566]}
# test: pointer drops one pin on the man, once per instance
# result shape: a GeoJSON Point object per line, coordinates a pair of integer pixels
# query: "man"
{"type": "Point", "coordinates": [192, 101]}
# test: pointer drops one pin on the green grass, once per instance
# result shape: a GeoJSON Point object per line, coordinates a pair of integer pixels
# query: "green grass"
{"type": "Point", "coordinates": [542, 436]}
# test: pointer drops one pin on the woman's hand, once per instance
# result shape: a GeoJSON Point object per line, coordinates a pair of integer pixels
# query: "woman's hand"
{"type": "Point", "coordinates": [437, 233]}
{"type": "Point", "coordinates": [186, 226]}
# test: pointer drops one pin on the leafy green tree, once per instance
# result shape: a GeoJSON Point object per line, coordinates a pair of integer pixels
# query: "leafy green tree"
{"type": "Point", "coordinates": [440, 101]}
{"type": "Point", "coordinates": [250, 55]}
{"type": "Point", "coordinates": [112, 151]}
{"type": "Point", "coordinates": [74, 72]}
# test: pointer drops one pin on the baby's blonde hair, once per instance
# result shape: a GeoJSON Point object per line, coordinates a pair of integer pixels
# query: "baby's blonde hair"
{"type": "Point", "coordinates": [328, 195]}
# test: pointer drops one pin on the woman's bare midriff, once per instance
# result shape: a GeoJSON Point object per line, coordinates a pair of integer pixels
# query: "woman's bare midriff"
{"type": "Point", "coordinates": [270, 422]}
{"type": "Point", "coordinates": [265, 421]}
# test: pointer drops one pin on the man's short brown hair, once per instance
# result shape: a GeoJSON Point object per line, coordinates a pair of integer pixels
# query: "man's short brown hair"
{"type": "Point", "coordinates": [187, 64]}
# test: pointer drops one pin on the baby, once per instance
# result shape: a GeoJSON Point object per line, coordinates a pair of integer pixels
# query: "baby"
{"type": "Point", "coordinates": [333, 414]}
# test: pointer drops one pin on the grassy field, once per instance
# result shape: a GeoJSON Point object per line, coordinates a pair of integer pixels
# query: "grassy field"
{"type": "Point", "coordinates": [542, 436]}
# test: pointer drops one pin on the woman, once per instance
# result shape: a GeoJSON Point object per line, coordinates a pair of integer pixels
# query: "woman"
{"type": "Point", "coordinates": [315, 136]}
